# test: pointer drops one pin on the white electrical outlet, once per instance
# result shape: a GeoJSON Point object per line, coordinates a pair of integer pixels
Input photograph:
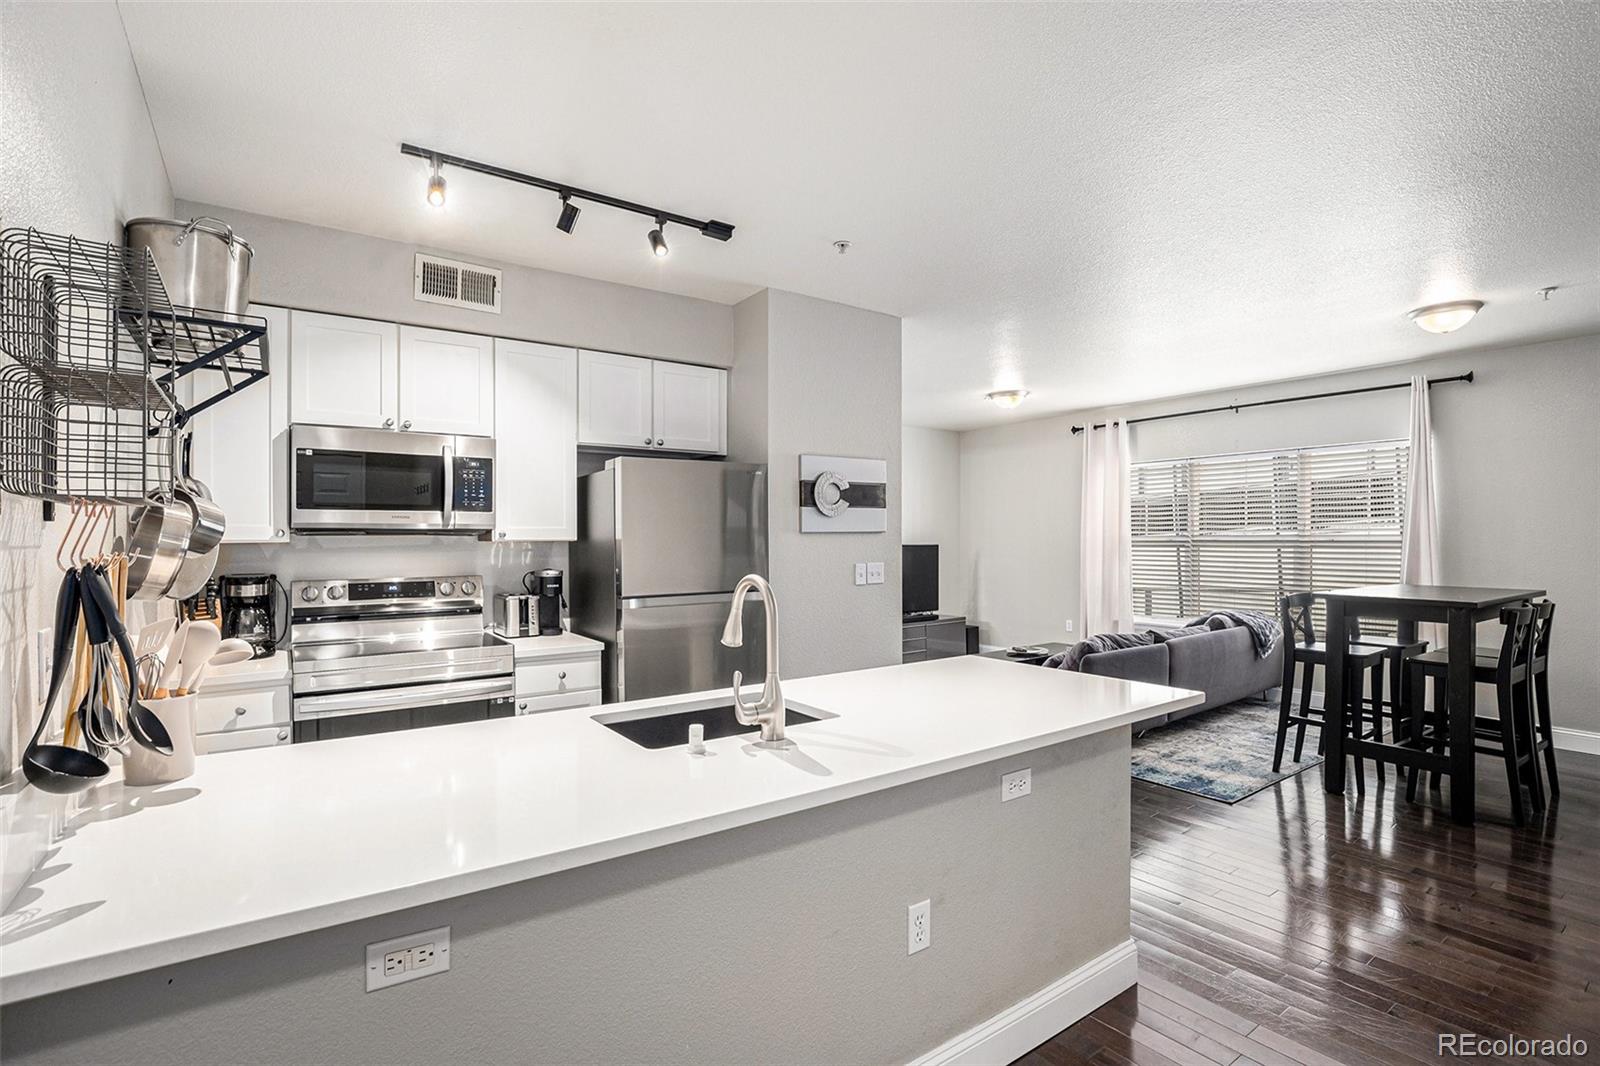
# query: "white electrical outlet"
{"type": "Point", "coordinates": [874, 573]}
{"type": "Point", "coordinates": [919, 926]}
{"type": "Point", "coordinates": [861, 573]}
{"type": "Point", "coordinates": [1016, 784]}
{"type": "Point", "coordinates": [43, 664]}
{"type": "Point", "coordinates": [1069, 625]}
{"type": "Point", "coordinates": [406, 958]}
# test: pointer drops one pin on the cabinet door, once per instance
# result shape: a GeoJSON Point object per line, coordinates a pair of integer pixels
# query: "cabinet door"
{"type": "Point", "coordinates": [240, 449]}
{"type": "Point", "coordinates": [446, 382]}
{"type": "Point", "coordinates": [614, 400]}
{"type": "Point", "coordinates": [342, 371]}
{"type": "Point", "coordinates": [690, 407]}
{"type": "Point", "coordinates": [536, 443]}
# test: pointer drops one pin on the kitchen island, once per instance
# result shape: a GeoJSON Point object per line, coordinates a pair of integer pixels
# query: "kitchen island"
{"type": "Point", "coordinates": [609, 901]}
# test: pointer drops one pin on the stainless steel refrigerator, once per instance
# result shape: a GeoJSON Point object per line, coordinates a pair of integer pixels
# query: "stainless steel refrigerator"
{"type": "Point", "coordinates": [661, 543]}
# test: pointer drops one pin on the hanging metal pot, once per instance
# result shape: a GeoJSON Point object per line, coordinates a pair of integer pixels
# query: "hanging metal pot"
{"type": "Point", "coordinates": [202, 263]}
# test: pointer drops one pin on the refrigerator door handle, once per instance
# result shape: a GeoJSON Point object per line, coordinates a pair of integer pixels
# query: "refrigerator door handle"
{"type": "Point", "coordinates": [636, 602]}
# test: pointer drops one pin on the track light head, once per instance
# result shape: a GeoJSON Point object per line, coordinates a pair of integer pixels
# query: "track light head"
{"type": "Point", "coordinates": [722, 231]}
{"type": "Point", "coordinates": [569, 215]}
{"type": "Point", "coordinates": [658, 241]}
{"type": "Point", "coordinates": [436, 186]}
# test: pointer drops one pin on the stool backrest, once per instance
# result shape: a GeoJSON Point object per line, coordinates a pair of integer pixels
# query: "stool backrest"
{"type": "Point", "coordinates": [1544, 614]}
{"type": "Point", "coordinates": [1516, 647]}
{"type": "Point", "coordinates": [1295, 612]}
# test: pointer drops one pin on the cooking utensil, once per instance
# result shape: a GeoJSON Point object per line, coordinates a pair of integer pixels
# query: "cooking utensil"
{"type": "Point", "coordinates": [145, 727]}
{"type": "Point", "coordinates": [101, 725]}
{"type": "Point", "coordinates": [173, 662]}
{"type": "Point", "coordinates": [55, 767]}
{"type": "Point", "coordinates": [233, 650]}
{"type": "Point", "coordinates": [158, 535]}
{"type": "Point", "coordinates": [153, 638]}
{"type": "Point", "coordinates": [198, 648]}
{"type": "Point", "coordinates": [202, 262]}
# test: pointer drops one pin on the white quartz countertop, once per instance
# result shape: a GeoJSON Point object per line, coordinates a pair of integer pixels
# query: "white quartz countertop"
{"type": "Point", "coordinates": [561, 644]}
{"type": "Point", "coordinates": [271, 842]}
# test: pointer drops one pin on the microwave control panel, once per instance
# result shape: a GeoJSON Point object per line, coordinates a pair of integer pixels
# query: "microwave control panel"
{"type": "Point", "coordinates": [474, 484]}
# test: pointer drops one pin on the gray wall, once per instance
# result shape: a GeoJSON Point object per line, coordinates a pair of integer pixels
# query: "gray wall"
{"type": "Point", "coordinates": [1518, 456]}
{"type": "Point", "coordinates": [832, 387]}
{"type": "Point", "coordinates": [77, 155]}
{"type": "Point", "coordinates": [321, 269]}
{"type": "Point", "coordinates": [930, 466]}
{"type": "Point", "coordinates": [778, 942]}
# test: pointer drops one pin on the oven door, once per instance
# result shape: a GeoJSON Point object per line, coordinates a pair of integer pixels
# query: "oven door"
{"type": "Point", "coordinates": [366, 479]}
{"type": "Point", "coordinates": [383, 710]}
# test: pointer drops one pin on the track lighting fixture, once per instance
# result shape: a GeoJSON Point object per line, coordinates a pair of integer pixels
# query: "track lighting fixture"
{"type": "Point", "coordinates": [436, 185]}
{"type": "Point", "coordinates": [569, 214]}
{"type": "Point", "coordinates": [712, 228]}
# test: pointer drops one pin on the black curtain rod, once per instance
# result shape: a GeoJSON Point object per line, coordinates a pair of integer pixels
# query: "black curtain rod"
{"type": "Point", "coordinates": [1467, 377]}
{"type": "Point", "coordinates": [711, 228]}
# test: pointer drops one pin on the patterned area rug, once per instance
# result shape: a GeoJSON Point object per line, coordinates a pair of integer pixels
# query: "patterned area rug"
{"type": "Point", "coordinates": [1225, 754]}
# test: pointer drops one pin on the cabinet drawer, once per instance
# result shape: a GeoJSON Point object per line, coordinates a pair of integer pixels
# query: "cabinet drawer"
{"type": "Point", "coordinates": [561, 675]}
{"type": "Point", "coordinates": [913, 656]}
{"type": "Point", "coordinates": [239, 739]}
{"type": "Point", "coordinates": [233, 712]}
{"type": "Point", "coordinates": [909, 645]}
{"type": "Point", "coordinates": [558, 702]}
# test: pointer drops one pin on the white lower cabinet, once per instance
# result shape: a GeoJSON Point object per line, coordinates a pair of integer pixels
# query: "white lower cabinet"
{"type": "Point", "coordinates": [246, 705]}
{"type": "Point", "coordinates": [536, 441]}
{"type": "Point", "coordinates": [547, 682]}
{"type": "Point", "coordinates": [241, 446]}
{"type": "Point", "coordinates": [239, 739]}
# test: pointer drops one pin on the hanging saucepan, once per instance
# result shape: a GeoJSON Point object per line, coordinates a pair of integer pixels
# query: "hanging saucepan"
{"type": "Point", "coordinates": [209, 525]}
{"type": "Point", "coordinates": [158, 541]}
{"type": "Point", "coordinates": [56, 767]}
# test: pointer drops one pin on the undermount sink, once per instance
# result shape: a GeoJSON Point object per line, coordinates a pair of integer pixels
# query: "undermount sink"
{"type": "Point", "coordinates": [670, 728]}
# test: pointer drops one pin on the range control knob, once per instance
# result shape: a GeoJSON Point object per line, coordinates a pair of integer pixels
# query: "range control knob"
{"type": "Point", "coordinates": [447, 588]}
{"type": "Point", "coordinates": [468, 588]}
{"type": "Point", "coordinates": [310, 593]}
{"type": "Point", "coordinates": [335, 592]}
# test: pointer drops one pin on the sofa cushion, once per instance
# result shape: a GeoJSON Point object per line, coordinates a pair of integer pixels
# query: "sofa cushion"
{"type": "Point", "coordinates": [1223, 664]}
{"type": "Point", "coordinates": [1145, 663]}
{"type": "Point", "coordinates": [1163, 635]}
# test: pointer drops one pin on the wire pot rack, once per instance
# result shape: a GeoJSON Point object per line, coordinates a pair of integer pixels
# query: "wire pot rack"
{"type": "Point", "coordinates": [89, 405]}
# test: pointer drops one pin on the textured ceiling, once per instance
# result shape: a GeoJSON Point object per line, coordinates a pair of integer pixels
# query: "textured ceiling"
{"type": "Point", "coordinates": [1101, 202]}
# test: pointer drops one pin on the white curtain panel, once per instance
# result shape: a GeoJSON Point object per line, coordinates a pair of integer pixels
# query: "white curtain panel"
{"type": "Point", "coordinates": [1105, 574]}
{"type": "Point", "coordinates": [1419, 553]}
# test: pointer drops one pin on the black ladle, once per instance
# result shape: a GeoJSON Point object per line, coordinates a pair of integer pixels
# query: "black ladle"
{"type": "Point", "coordinates": [142, 722]}
{"type": "Point", "coordinates": [56, 767]}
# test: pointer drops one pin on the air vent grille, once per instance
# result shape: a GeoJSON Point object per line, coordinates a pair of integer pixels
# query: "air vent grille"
{"type": "Point", "coordinates": [445, 281]}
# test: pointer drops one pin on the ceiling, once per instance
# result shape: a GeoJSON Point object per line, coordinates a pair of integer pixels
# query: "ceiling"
{"type": "Point", "coordinates": [1104, 203]}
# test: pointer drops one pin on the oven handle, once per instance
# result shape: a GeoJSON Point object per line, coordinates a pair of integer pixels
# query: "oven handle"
{"type": "Point", "coordinates": [449, 486]}
{"type": "Point", "coordinates": [391, 699]}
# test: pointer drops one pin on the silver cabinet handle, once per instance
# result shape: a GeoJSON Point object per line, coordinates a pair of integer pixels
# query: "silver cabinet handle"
{"type": "Point", "coordinates": [659, 442]}
{"type": "Point", "coordinates": [241, 711]}
{"type": "Point", "coordinates": [388, 423]}
{"type": "Point", "coordinates": [278, 533]}
{"type": "Point", "coordinates": [647, 442]}
{"type": "Point", "coordinates": [562, 675]}
{"type": "Point", "coordinates": [501, 534]}
{"type": "Point", "coordinates": [406, 424]}
{"type": "Point", "coordinates": [522, 706]}
{"type": "Point", "coordinates": [283, 734]}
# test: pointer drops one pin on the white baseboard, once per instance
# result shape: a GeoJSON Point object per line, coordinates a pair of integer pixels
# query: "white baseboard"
{"type": "Point", "coordinates": [1577, 740]}
{"type": "Point", "coordinates": [1025, 1025]}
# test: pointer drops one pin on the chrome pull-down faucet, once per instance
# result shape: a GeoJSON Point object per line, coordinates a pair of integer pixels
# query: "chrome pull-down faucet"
{"type": "Point", "coordinates": [768, 712]}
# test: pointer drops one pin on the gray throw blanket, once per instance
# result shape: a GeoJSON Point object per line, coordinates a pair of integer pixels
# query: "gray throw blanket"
{"type": "Point", "coordinates": [1264, 630]}
{"type": "Point", "coordinates": [1073, 656]}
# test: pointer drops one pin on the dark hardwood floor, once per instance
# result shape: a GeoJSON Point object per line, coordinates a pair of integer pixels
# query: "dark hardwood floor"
{"type": "Point", "coordinates": [1298, 927]}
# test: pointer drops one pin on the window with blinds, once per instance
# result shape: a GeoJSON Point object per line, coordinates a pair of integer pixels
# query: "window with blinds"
{"type": "Point", "coordinates": [1240, 531]}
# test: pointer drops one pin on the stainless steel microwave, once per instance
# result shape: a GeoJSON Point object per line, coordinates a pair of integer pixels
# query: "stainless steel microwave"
{"type": "Point", "coordinates": [383, 481]}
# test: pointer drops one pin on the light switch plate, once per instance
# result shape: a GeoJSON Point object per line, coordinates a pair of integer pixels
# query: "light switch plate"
{"type": "Point", "coordinates": [861, 573]}
{"type": "Point", "coordinates": [874, 573]}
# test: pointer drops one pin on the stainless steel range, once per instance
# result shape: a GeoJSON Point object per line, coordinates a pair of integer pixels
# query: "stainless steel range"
{"type": "Point", "coordinates": [372, 656]}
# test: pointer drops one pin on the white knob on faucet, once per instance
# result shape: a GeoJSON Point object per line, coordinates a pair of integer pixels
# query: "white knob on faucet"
{"type": "Point", "coordinates": [697, 738]}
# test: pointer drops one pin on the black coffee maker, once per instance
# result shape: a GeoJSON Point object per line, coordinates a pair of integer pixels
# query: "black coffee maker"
{"type": "Point", "coordinates": [549, 602]}
{"type": "Point", "coordinates": [249, 610]}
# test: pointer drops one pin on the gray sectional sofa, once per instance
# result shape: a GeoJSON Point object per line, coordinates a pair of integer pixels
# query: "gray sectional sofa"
{"type": "Point", "coordinates": [1222, 663]}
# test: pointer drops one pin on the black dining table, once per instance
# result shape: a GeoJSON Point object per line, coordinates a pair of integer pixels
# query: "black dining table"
{"type": "Point", "coordinates": [1460, 609]}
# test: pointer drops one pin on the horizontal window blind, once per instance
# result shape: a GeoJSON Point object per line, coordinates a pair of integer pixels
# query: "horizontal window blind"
{"type": "Point", "coordinates": [1240, 531]}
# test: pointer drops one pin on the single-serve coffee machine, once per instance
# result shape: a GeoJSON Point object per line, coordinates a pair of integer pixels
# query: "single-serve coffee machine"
{"type": "Point", "coordinates": [540, 611]}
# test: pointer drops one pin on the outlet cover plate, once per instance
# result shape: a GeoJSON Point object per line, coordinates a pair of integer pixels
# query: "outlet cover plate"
{"type": "Point", "coordinates": [874, 573]}
{"type": "Point", "coordinates": [406, 958]}
{"type": "Point", "coordinates": [1016, 784]}
{"type": "Point", "coordinates": [919, 926]}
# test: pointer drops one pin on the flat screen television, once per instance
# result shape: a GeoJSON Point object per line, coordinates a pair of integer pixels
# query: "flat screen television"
{"type": "Point", "coordinates": [919, 578]}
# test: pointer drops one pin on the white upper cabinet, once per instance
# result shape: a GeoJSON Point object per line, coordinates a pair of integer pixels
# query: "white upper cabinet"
{"type": "Point", "coordinates": [536, 441]}
{"type": "Point", "coordinates": [343, 371]}
{"type": "Point", "coordinates": [446, 382]}
{"type": "Point", "coordinates": [241, 446]}
{"type": "Point", "coordinates": [614, 408]}
{"type": "Point", "coordinates": [628, 402]}
{"type": "Point", "coordinates": [690, 407]}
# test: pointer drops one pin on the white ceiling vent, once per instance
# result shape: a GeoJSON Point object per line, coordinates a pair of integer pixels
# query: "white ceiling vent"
{"type": "Point", "coordinates": [445, 281]}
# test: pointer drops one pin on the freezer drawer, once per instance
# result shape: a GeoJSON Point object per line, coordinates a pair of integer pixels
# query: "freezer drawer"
{"type": "Point", "coordinates": [669, 645]}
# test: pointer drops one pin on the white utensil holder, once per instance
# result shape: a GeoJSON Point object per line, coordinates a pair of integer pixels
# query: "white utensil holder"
{"type": "Point", "coordinates": [141, 766]}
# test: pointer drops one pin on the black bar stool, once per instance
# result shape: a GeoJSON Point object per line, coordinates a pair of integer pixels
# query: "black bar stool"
{"type": "Point", "coordinates": [1395, 653]}
{"type": "Point", "coordinates": [1510, 735]}
{"type": "Point", "coordinates": [1295, 617]}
